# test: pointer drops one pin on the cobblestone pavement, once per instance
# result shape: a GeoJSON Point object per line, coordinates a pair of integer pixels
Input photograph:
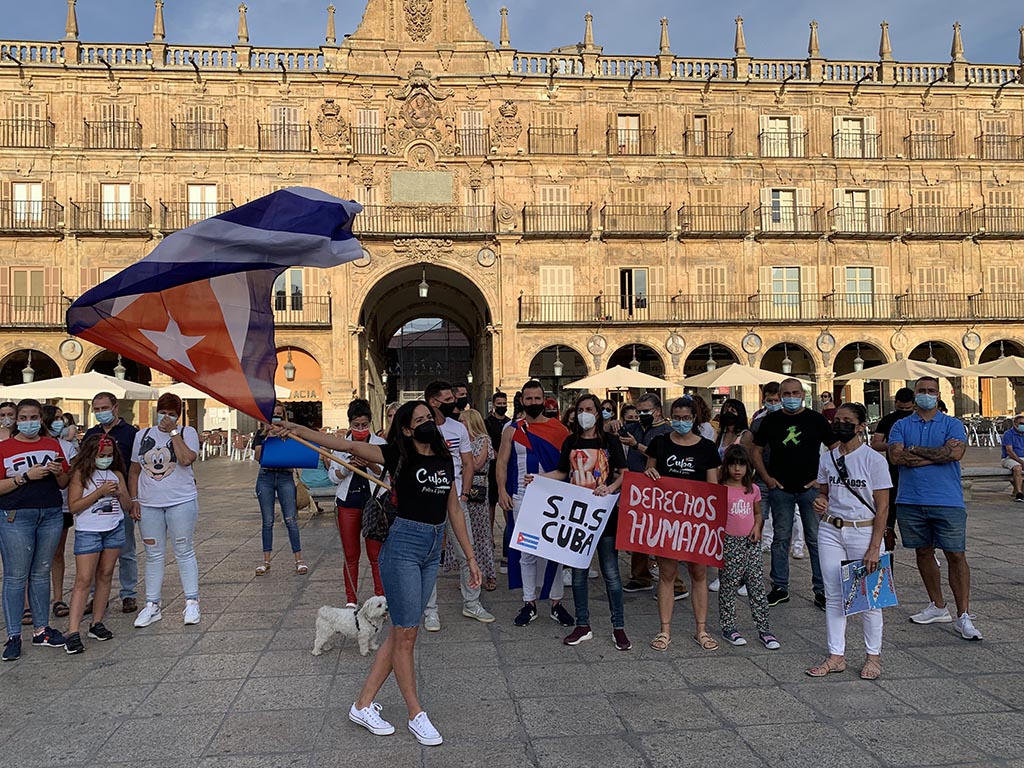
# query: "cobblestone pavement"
{"type": "Point", "coordinates": [242, 689]}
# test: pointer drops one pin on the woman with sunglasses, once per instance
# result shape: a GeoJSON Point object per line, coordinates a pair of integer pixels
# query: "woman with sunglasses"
{"type": "Point", "coordinates": [853, 502]}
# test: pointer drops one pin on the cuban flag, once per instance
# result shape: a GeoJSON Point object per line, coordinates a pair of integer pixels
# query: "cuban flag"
{"type": "Point", "coordinates": [198, 308]}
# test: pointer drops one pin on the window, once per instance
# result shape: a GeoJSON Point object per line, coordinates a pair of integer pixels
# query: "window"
{"type": "Point", "coordinates": [368, 137]}
{"type": "Point", "coordinates": [633, 289]}
{"type": "Point", "coordinates": [202, 202]}
{"type": "Point", "coordinates": [28, 204]}
{"type": "Point", "coordinates": [472, 135]}
{"type": "Point", "coordinates": [855, 211]}
{"type": "Point", "coordinates": [288, 290]}
{"type": "Point", "coordinates": [786, 286]}
{"type": "Point", "coordinates": [555, 212]}
{"type": "Point", "coordinates": [701, 135]}
{"type": "Point", "coordinates": [926, 143]}
{"type": "Point", "coordinates": [860, 285]}
{"type": "Point", "coordinates": [285, 132]}
{"type": "Point", "coordinates": [711, 282]}
{"type": "Point", "coordinates": [782, 136]}
{"type": "Point", "coordinates": [115, 205]}
{"type": "Point", "coordinates": [999, 213]}
{"type": "Point", "coordinates": [783, 210]}
{"type": "Point", "coordinates": [855, 137]}
{"type": "Point", "coordinates": [628, 134]}
{"type": "Point", "coordinates": [929, 215]}
{"type": "Point", "coordinates": [556, 291]}
{"type": "Point", "coordinates": [930, 280]}
{"type": "Point", "coordinates": [1004, 280]}
{"type": "Point", "coordinates": [29, 291]}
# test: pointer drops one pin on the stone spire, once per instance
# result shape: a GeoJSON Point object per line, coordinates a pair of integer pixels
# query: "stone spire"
{"type": "Point", "coordinates": [884, 46]}
{"type": "Point", "coordinates": [813, 49]}
{"type": "Point", "coordinates": [71, 25]}
{"type": "Point", "coordinates": [158, 21]}
{"type": "Point", "coordinates": [504, 40]}
{"type": "Point", "coordinates": [332, 35]}
{"type": "Point", "coordinates": [740, 45]}
{"type": "Point", "coordinates": [588, 32]}
{"type": "Point", "coordinates": [956, 51]}
{"type": "Point", "coordinates": [1020, 47]}
{"type": "Point", "coordinates": [663, 47]}
{"type": "Point", "coordinates": [243, 24]}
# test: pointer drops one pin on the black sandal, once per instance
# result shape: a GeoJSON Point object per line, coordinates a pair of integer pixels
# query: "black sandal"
{"type": "Point", "coordinates": [61, 609]}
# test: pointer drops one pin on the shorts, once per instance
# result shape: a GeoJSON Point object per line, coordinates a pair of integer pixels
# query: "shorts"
{"type": "Point", "coordinates": [924, 526]}
{"type": "Point", "coordinates": [1010, 463]}
{"type": "Point", "coordinates": [94, 542]}
{"type": "Point", "coordinates": [69, 520]}
{"type": "Point", "coordinates": [409, 561]}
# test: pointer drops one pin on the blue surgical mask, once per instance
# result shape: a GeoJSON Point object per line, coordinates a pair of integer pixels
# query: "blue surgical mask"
{"type": "Point", "coordinates": [29, 428]}
{"type": "Point", "coordinates": [606, 414]}
{"type": "Point", "coordinates": [682, 427]}
{"type": "Point", "coordinates": [1019, 427]}
{"type": "Point", "coordinates": [57, 428]}
{"type": "Point", "coordinates": [276, 420]}
{"type": "Point", "coordinates": [169, 416]}
{"type": "Point", "coordinates": [105, 417]}
{"type": "Point", "coordinates": [773, 407]}
{"type": "Point", "coordinates": [104, 462]}
{"type": "Point", "coordinates": [926, 402]}
{"type": "Point", "coordinates": [792, 404]}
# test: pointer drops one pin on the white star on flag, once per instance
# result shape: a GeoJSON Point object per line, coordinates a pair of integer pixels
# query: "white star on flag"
{"type": "Point", "coordinates": [172, 345]}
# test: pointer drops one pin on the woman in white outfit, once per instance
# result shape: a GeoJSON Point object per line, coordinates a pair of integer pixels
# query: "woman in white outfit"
{"type": "Point", "coordinates": [853, 502]}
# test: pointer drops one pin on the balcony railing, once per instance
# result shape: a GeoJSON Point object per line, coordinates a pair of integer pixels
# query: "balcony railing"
{"type": "Point", "coordinates": [929, 146]}
{"type": "Point", "coordinates": [790, 220]}
{"type": "Point", "coordinates": [937, 221]}
{"type": "Point", "coordinates": [702, 220]}
{"type": "Point", "coordinates": [32, 311]}
{"type": "Point", "coordinates": [1000, 221]}
{"type": "Point", "coordinates": [178, 215]}
{"type": "Point", "coordinates": [857, 221]}
{"type": "Point", "coordinates": [284, 137]}
{"type": "Point", "coordinates": [473, 142]}
{"type": "Point", "coordinates": [553, 141]}
{"type": "Point", "coordinates": [994, 146]}
{"type": "Point", "coordinates": [31, 215]}
{"type": "Point", "coordinates": [113, 134]}
{"type": "Point", "coordinates": [424, 220]}
{"type": "Point", "coordinates": [846, 144]}
{"type": "Point", "coordinates": [783, 143]}
{"type": "Point", "coordinates": [556, 220]}
{"type": "Point", "coordinates": [635, 220]}
{"type": "Point", "coordinates": [199, 137]}
{"type": "Point", "coordinates": [302, 311]}
{"type": "Point", "coordinates": [707, 143]}
{"type": "Point", "coordinates": [857, 306]}
{"type": "Point", "coordinates": [125, 218]}
{"type": "Point", "coordinates": [26, 133]}
{"type": "Point", "coordinates": [367, 141]}
{"type": "Point", "coordinates": [631, 141]}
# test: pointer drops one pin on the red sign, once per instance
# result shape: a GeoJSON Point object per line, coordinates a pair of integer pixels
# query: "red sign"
{"type": "Point", "coordinates": [677, 519]}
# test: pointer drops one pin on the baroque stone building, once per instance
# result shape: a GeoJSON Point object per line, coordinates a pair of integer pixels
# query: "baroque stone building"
{"type": "Point", "coordinates": [573, 206]}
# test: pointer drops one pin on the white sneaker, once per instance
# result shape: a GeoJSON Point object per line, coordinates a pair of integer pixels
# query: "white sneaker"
{"type": "Point", "coordinates": [966, 628]}
{"type": "Point", "coordinates": [431, 622]}
{"type": "Point", "coordinates": [742, 591]}
{"type": "Point", "coordinates": [353, 606]}
{"type": "Point", "coordinates": [566, 578]}
{"type": "Point", "coordinates": [148, 615]}
{"type": "Point", "coordinates": [933, 615]}
{"type": "Point", "coordinates": [477, 611]}
{"type": "Point", "coordinates": [715, 585]}
{"type": "Point", "coordinates": [191, 612]}
{"type": "Point", "coordinates": [797, 551]}
{"type": "Point", "coordinates": [592, 574]}
{"type": "Point", "coordinates": [424, 731]}
{"type": "Point", "coordinates": [371, 720]}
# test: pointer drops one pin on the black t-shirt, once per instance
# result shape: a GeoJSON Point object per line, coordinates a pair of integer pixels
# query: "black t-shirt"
{"type": "Point", "coordinates": [423, 485]}
{"type": "Point", "coordinates": [795, 441]}
{"type": "Point", "coordinates": [686, 462]}
{"type": "Point", "coordinates": [884, 427]}
{"type": "Point", "coordinates": [590, 462]}
{"type": "Point", "coordinates": [495, 425]}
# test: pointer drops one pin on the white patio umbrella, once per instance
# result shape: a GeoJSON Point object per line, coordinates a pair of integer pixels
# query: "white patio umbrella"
{"type": "Point", "coordinates": [82, 386]}
{"type": "Point", "coordinates": [906, 370]}
{"type": "Point", "coordinates": [619, 377]}
{"type": "Point", "coordinates": [1004, 367]}
{"type": "Point", "coordinates": [188, 392]}
{"type": "Point", "coordinates": [733, 375]}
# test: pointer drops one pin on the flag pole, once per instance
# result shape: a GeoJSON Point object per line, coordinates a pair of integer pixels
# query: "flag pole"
{"type": "Point", "coordinates": [331, 457]}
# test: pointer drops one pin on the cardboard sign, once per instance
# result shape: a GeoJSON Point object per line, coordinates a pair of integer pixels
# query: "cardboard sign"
{"type": "Point", "coordinates": [561, 522]}
{"type": "Point", "coordinates": [863, 591]}
{"type": "Point", "coordinates": [677, 519]}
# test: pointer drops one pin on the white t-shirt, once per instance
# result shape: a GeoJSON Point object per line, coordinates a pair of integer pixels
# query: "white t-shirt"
{"type": "Point", "coordinates": [106, 513]}
{"type": "Point", "coordinates": [163, 482]}
{"type": "Point", "coordinates": [70, 451]}
{"type": "Point", "coordinates": [867, 471]}
{"type": "Point", "coordinates": [456, 436]}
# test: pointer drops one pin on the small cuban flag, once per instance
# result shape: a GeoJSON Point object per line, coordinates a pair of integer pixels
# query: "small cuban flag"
{"type": "Point", "coordinates": [198, 307]}
{"type": "Point", "coordinates": [527, 540]}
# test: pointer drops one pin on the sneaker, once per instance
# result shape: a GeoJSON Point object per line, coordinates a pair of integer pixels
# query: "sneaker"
{"type": "Point", "coordinates": [97, 632]}
{"type": "Point", "coordinates": [12, 648]}
{"type": "Point", "coordinates": [148, 615]}
{"type": "Point", "coordinates": [527, 614]}
{"type": "Point", "coordinates": [73, 644]}
{"type": "Point", "coordinates": [715, 585]}
{"type": "Point", "coordinates": [768, 641]}
{"type": "Point", "coordinates": [622, 642]}
{"type": "Point", "coordinates": [635, 586]}
{"type": "Point", "coordinates": [592, 573]}
{"type": "Point", "coordinates": [734, 638]}
{"type": "Point", "coordinates": [566, 578]}
{"type": "Point", "coordinates": [819, 600]}
{"type": "Point", "coordinates": [191, 612]}
{"type": "Point", "coordinates": [578, 635]}
{"type": "Point", "coordinates": [966, 628]}
{"type": "Point", "coordinates": [424, 731]}
{"type": "Point", "coordinates": [562, 616]}
{"type": "Point", "coordinates": [371, 720]}
{"type": "Point", "coordinates": [797, 551]}
{"type": "Point", "coordinates": [431, 621]}
{"type": "Point", "coordinates": [742, 591]}
{"type": "Point", "coordinates": [503, 569]}
{"type": "Point", "coordinates": [477, 611]}
{"type": "Point", "coordinates": [353, 606]}
{"type": "Point", "coordinates": [1019, 497]}
{"type": "Point", "coordinates": [766, 546]}
{"type": "Point", "coordinates": [932, 615]}
{"type": "Point", "coordinates": [48, 638]}
{"type": "Point", "coordinates": [778, 596]}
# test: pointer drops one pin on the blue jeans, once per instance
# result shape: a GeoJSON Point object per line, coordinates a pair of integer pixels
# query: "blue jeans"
{"type": "Point", "coordinates": [608, 558]}
{"type": "Point", "coordinates": [27, 544]}
{"type": "Point", "coordinates": [784, 506]}
{"type": "Point", "coordinates": [176, 523]}
{"type": "Point", "coordinates": [127, 562]}
{"type": "Point", "coordinates": [281, 484]}
{"type": "Point", "coordinates": [409, 561]}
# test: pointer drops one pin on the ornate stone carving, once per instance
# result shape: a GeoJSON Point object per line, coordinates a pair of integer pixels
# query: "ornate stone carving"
{"type": "Point", "coordinates": [420, 111]}
{"type": "Point", "coordinates": [330, 124]}
{"type": "Point", "coordinates": [424, 248]}
{"type": "Point", "coordinates": [508, 127]}
{"type": "Point", "coordinates": [365, 175]}
{"type": "Point", "coordinates": [419, 19]}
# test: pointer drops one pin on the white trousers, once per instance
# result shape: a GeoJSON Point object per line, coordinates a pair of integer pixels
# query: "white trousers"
{"type": "Point", "coordinates": [834, 546]}
{"type": "Point", "coordinates": [533, 569]}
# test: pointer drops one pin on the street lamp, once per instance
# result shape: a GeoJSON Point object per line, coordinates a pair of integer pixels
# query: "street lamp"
{"type": "Point", "coordinates": [469, 377]}
{"type": "Point", "coordinates": [558, 366]}
{"type": "Point", "coordinates": [787, 364]}
{"type": "Point", "coordinates": [1002, 352]}
{"type": "Point", "coordinates": [931, 358]}
{"type": "Point", "coordinates": [384, 378]}
{"type": "Point", "coordinates": [634, 364]}
{"type": "Point", "coordinates": [424, 286]}
{"type": "Point", "coordinates": [711, 364]}
{"type": "Point", "coordinates": [858, 361]}
{"type": "Point", "coordinates": [28, 373]}
{"type": "Point", "coordinates": [119, 369]}
{"type": "Point", "coordinates": [289, 368]}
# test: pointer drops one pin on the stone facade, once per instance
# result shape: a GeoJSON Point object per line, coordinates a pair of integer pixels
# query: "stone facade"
{"type": "Point", "coordinates": [573, 204]}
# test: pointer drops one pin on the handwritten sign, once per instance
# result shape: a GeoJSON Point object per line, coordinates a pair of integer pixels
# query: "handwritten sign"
{"type": "Point", "coordinates": [677, 519]}
{"type": "Point", "coordinates": [561, 522]}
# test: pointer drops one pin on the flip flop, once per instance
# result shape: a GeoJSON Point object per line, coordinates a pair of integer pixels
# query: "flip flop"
{"type": "Point", "coordinates": [661, 642]}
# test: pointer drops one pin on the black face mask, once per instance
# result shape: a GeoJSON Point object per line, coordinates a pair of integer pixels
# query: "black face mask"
{"type": "Point", "coordinates": [646, 420]}
{"type": "Point", "coordinates": [844, 431]}
{"type": "Point", "coordinates": [447, 409]}
{"type": "Point", "coordinates": [728, 419]}
{"type": "Point", "coordinates": [500, 410]}
{"type": "Point", "coordinates": [535, 410]}
{"type": "Point", "coordinates": [425, 432]}
{"type": "Point", "coordinates": [551, 414]}
{"type": "Point", "coordinates": [462, 403]}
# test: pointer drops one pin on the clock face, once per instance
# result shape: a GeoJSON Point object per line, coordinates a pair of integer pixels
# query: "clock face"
{"type": "Point", "coordinates": [70, 349]}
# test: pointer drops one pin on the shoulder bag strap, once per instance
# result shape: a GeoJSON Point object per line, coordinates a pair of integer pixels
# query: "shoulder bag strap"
{"type": "Point", "coordinates": [846, 483]}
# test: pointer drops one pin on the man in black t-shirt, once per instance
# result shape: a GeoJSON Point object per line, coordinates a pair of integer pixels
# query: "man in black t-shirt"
{"type": "Point", "coordinates": [880, 442]}
{"type": "Point", "coordinates": [795, 436]}
{"type": "Point", "coordinates": [495, 423]}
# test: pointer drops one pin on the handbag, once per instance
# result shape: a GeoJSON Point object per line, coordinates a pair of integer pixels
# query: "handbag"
{"type": "Point", "coordinates": [380, 510]}
{"type": "Point", "coordinates": [477, 494]}
{"type": "Point", "coordinates": [302, 498]}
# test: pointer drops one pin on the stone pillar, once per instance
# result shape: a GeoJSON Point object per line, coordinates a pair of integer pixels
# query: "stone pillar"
{"type": "Point", "coordinates": [665, 56]}
{"type": "Point", "coordinates": [885, 73]}
{"type": "Point", "coordinates": [332, 36]}
{"type": "Point", "coordinates": [957, 64]}
{"type": "Point", "coordinates": [815, 64]}
{"type": "Point", "coordinates": [71, 45]}
{"type": "Point", "coordinates": [741, 60]}
{"type": "Point", "coordinates": [590, 51]}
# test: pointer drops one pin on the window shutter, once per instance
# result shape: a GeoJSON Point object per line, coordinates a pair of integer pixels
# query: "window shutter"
{"type": "Point", "coordinates": [89, 277]}
{"type": "Point", "coordinates": [656, 281]}
{"type": "Point", "coordinates": [5, 281]}
{"type": "Point", "coordinates": [764, 281]}
{"type": "Point", "coordinates": [839, 280]}
{"type": "Point", "coordinates": [842, 216]}
{"type": "Point", "coordinates": [51, 281]}
{"type": "Point", "coordinates": [803, 209]}
{"type": "Point", "coordinates": [810, 293]}
{"type": "Point", "coordinates": [883, 284]}
{"type": "Point", "coordinates": [796, 127]}
{"type": "Point", "coordinates": [766, 208]}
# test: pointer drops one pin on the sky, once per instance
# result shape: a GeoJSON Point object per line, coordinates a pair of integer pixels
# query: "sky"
{"type": "Point", "coordinates": [921, 30]}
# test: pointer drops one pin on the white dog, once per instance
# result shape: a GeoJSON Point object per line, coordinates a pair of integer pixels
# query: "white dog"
{"type": "Point", "coordinates": [364, 625]}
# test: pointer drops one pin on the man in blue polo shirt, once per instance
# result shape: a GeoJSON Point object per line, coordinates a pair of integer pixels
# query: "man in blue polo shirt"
{"type": "Point", "coordinates": [927, 446]}
{"type": "Point", "coordinates": [1013, 455]}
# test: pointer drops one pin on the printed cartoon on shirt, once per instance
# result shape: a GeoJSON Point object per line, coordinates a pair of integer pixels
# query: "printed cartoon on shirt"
{"type": "Point", "coordinates": [588, 467]}
{"type": "Point", "coordinates": [158, 461]}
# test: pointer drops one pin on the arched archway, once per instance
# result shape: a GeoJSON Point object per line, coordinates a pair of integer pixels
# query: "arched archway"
{"type": "Point", "coordinates": [860, 356]}
{"type": "Point", "coordinates": [13, 367]}
{"type": "Point", "coordinates": [999, 397]}
{"type": "Point", "coordinates": [801, 362]}
{"type": "Point", "coordinates": [543, 369]}
{"type": "Point", "coordinates": [650, 361]}
{"type": "Point", "coordinates": [300, 373]}
{"type": "Point", "coordinates": [700, 360]}
{"type": "Point", "coordinates": [1000, 348]}
{"type": "Point", "coordinates": [106, 362]}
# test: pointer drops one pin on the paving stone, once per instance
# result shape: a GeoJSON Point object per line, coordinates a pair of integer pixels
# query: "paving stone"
{"type": "Point", "coordinates": [699, 749]}
{"type": "Point", "coordinates": [909, 741]}
{"type": "Point", "coordinates": [584, 752]}
{"type": "Point", "coordinates": [268, 732]}
{"type": "Point", "coordinates": [189, 697]}
{"type": "Point", "coordinates": [299, 692]}
{"type": "Point", "coordinates": [569, 716]}
{"type": "Point", "coordinates": [942, 696]}
{"type": "Point", "coordinates": [806, 744]}
{"type": "Point", "coordinates": [653, 711]}
{"type": "Point", "coordinates": [41, 744]}
{"type": "Point", "coordinates": [163, 738]}
{"type": "Point", "coordinates": [748, 706]}
{"type": "Point", "coordinates": [848, 699]}
{"type": "Point", "coordinates": [213, 666]}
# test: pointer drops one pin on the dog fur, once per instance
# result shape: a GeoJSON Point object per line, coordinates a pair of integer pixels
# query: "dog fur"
{"type": "Point", "coordinates": [342, 621]}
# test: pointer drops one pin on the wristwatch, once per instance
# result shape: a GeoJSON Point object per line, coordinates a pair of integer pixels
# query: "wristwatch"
{"type": "Point", "coordinates": [175, 432]}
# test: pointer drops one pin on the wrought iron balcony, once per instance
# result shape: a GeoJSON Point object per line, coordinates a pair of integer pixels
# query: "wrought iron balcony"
{"type": "Point", "coordinates": [553, 141]}
{"type": "Point", "coordinates": [857, 306]}
{"type": "Point", "coordinates": [783, 143]}
{"type": "Point", "coordinates": [178, 215]}
{"type": "Point", "coordinates": [847, 144]}
{"type": "Point", "coordinates": [199, 137]}
{"type": "Point", "coordinates": [790, 220]}
{"type": "Point", "coordinates": [999, 222]}
{"type": "Point", "coordinates": [929, 146]}
{"type": "Point", "coordinates": [31, 216]}
{"type": "Point", "coordinates": [707, 143]}
{"type": "Point", "coordinates": [708, 220]}
{"type": "Point", "coordinates": [544, 220]}
{"type": "Point", "coordinates": [284, 137]}
{"type": "Point", "coordinates": [113, 134]}
{"type": "Point", "coordinates": [300, 310]}
{"type": "Point", "coordinates": [857, 221]}
{"type": "Point", "coordinates": [26, 133]}
{"type": "Point", "coordinates": [937, 222]}
{"type": "Point", "coordinates": [367, 141]}
{"type": "Point", "coordinates": [425, 221]}
{"type": "Point", "coordinates": [631, 141]}
{"type": "Point", "coordinates": [110, 218]}
{"type": "Point", "coordinates": [995, 146]}
{"type": "Point", "coordinates": [33, 311]}
{"type": "Point", "coordinates": [473, 142]}
{"type": "Point", "coordinates": [635, 221]}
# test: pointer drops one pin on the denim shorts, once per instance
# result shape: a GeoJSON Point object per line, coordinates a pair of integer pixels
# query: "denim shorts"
{"type": "Point", "coordinates": [94, 542]}
{"type": "Point", "coordinates": [923, 526]}
{"type": "Point", "coordinates": [408, 563]}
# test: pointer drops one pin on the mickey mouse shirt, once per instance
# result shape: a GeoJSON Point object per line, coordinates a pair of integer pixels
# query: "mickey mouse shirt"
{"type": "Point", "coordinates": [163, 482]}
